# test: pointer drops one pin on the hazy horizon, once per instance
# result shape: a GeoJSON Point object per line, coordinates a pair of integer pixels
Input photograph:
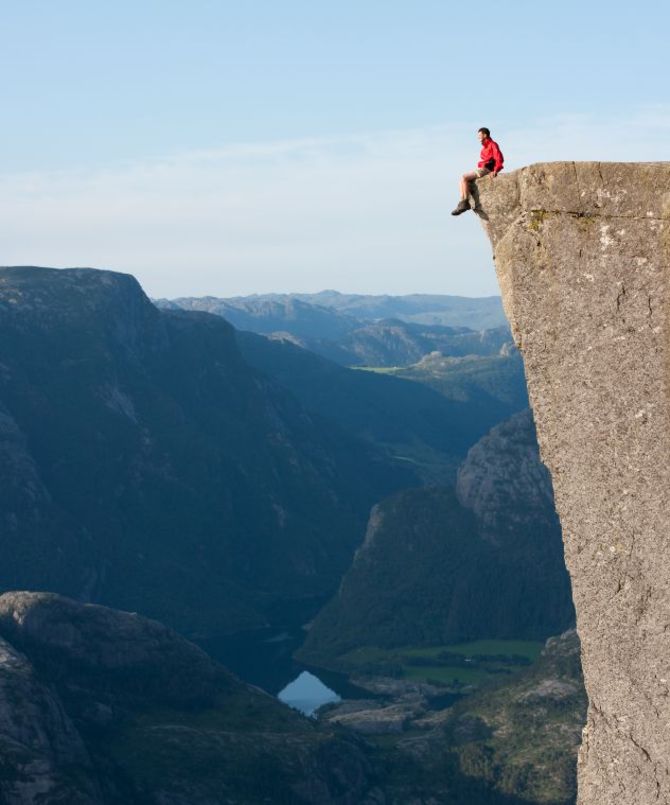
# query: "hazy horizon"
{"type": "Point", "coordinates": [336, 291]}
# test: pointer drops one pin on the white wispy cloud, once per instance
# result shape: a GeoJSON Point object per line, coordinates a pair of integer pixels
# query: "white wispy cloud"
{"type": "Point", "coordinates": [366, 213]}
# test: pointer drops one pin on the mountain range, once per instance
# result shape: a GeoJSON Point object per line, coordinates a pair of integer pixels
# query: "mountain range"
{"type": "Point", "coordinates": [157, 460]}
{"type": "Point", "coordinates": [146, 465]}
{"type": "Point", "coordinates": [456, 311]}
{"type": "Point", "coordinates": [366, 330]}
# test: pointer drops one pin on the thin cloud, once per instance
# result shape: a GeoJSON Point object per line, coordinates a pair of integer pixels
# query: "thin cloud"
{"type": "Point", "coordinates": [368, 213]}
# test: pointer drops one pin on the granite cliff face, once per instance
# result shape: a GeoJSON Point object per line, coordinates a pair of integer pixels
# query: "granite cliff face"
{"type": "Point", "coordinates": [582, 254]}
{"type": "Point", "coordinates": [44, 758]}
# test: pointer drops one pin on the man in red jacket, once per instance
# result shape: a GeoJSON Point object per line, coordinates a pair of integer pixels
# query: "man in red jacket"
{"type": "Point", "coordinates": [490, 164]}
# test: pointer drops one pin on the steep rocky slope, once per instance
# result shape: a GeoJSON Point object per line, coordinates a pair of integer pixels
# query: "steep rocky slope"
{"type": "Point", "coordinates": [440, 565]}
{"type": "Point", "coordinates": [429, 429]}
{"type": "Point", "coordinates": [496, 380]}
{"type": "Point", "coordinates": [582, 253]}
{"type": "Point", "coordinates": [101, 707]}
{"type": "Point", "coordinates": [513, 742]}
{"type": "Point", "coordinates": [145, 464]}
{"type": "Point", "coordinates": [43, 756]}
{"type": "Point", "coordinates": [523, 736]}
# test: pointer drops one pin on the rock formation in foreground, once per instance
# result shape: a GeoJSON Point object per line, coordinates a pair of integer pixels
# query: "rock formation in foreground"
{"type": "Point", "coordinates": [102, 707]}
{"type": "Point", "coordinates": [582, 253]}
{"type": "Point", "coordinates": [514, 742]}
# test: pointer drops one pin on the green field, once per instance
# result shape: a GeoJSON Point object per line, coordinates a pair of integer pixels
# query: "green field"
{"type": "Point", "coordinates": [454, 665]}
{"type": "Point", "coordinates": [520, 648]}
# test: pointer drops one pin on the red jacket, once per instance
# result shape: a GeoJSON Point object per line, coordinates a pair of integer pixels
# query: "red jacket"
{"type": "Point", "coordinates": [491, 156]}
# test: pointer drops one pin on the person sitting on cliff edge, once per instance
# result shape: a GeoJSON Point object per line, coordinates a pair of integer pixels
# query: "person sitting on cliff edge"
{"type": "Point", "coordinates": [490, 164]}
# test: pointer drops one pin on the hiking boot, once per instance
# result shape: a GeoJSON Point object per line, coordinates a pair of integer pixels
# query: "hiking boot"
{"type": "Point", "coordinates": [461, 207]}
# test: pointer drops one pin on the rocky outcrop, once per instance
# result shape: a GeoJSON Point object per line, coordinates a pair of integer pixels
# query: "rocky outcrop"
{"type": "Point", "coordinates": [141, 660]}
{"type": "Point", "coordinates": [504, 468]}
{"type": "Point", "coordinates": [43, 756]}
{"type": "Point", "coordinates": [512, 742]}
{"type": "Point", "coordinates": [440, 566]}
{"type": "Point", "coordinates": [102, 707]}
{"type": "Point", "coordinates": [523, 735]}
{"type": "Point", "coordinates": [582, 254]}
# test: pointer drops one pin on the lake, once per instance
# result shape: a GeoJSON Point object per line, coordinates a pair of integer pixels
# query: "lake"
{"type": "Point", "coordinates": [263, 657]}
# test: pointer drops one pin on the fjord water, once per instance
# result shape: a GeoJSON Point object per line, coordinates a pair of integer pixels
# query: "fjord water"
{"type": "Point", "coordinates": [263, 657]}
{"type": "Point", "coordinates": [307, 693]}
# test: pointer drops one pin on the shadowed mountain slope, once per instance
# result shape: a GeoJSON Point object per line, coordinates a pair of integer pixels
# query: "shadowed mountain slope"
{"type": "Point", "coordinates": [269, 315]}
{"type": "Point", "coordinates": [392, 342]}
{"type": "Point", "coordinates": [442, 566]}
{"type": "Point", "coordinates": [146, 465]}
{"type": "Point", "coordinates": [417, 424]}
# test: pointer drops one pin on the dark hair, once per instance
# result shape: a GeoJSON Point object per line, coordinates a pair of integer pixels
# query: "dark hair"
{"type": "Point", "coordinates": [485, 130]}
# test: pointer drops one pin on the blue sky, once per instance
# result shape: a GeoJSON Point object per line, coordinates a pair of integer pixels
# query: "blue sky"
{"type": "Point", "coordinates": [228, 147]}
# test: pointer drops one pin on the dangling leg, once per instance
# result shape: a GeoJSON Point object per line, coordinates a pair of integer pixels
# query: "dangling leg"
{"type": "Point", "coordinates": [464, 186]}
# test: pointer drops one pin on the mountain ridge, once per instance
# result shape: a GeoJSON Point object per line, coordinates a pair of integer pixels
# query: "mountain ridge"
{"type": "Point", "coordinates": [135, 440]}
{"type": "Point", "coordinates": [389, 332]}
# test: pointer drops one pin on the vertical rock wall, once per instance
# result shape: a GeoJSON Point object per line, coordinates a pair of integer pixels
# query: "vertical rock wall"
{"type": "Point", "coordinates": [582, 253]}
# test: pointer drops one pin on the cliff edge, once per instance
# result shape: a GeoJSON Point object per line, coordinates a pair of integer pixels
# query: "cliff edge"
{"type": "Point", "coordinates": [582, 253]}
